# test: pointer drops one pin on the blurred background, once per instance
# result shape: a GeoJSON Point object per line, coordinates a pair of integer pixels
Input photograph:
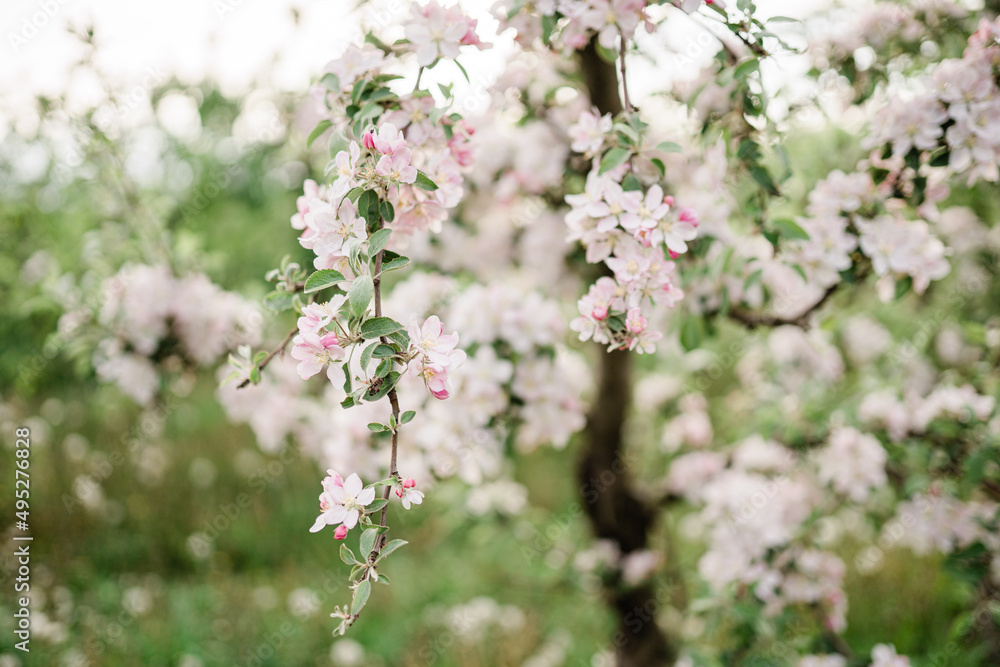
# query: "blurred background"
{"type": "Point", "coordinates": [165, 535]}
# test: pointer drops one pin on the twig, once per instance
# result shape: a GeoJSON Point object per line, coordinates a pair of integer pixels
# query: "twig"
{"type": "Point", "coordinates": [266, 360]}
{"type": "Point", "coordinates": [754, 320]}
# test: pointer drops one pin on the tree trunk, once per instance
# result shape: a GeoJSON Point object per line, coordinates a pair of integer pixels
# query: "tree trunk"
{"type": "Point", "coordinates": [615, 512]}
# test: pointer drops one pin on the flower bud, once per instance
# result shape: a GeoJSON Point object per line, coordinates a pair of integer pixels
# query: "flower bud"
{"type": "Point", "coordinates": [340, 533]}
{"type": "Point", "coordinates": [368, 140]}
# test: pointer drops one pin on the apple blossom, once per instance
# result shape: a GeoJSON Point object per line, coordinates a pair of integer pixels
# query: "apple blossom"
{"type": "Point", "coordinates": [408, 494]}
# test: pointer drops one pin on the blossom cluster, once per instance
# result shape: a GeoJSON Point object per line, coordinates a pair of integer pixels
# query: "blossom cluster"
{"type": "Point", "coordinates": [844, 217]}
{"type": "Point", "coordinates": [343, 502]}
{"type": "Point", "coordinates": [636, 234]}
{"type": "Point", "coordinates": [955, 115]}
{"type": "Point", "coordinates": [435, 32]}
{"type": "Point", "coordinates": [413, 132]}
{"type": "Point", "coordinates": [538, 403]}
{"type": "Point", "coordinates": [756, 503]}
{"type": "Point", "coordinates": [574, 22]}
{"type": "Point", "coordinates": [912, 415]}
{"type": "Point", "coordinates": [149, 316]}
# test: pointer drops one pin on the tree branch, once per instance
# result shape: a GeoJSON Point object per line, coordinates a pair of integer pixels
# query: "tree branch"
{"type": "Point", "coordinates": [616, 512]}
{"type": "Point", "coordinates": [754, 320]}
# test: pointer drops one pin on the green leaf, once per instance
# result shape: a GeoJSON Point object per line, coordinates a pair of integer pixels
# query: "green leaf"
{"type": "Point", "coordinates": [375, 427]}
{"type": "Point", "coordinates": [464, 73]}
{"type": "Point", "coordinates": [401, 338]}
{"type": "Point", "coordinates": [368, 539]}
{"type": "Point", "coordinates": [782, 19]}
{"type": "Point", "coordinates": [387, 211]}
{"type": "Point", "coordinates": [388, 382]}
{"type": "Point", "coordinates": [746, 68]}
{"type": "Point", "coordinates": [359, 87]}
{"type": "Point", "coordinates": [378, 241]}
{"type": "Point", "coordinates": [366, 355]}
{"type": "Point", "coordinates": [396, 262]}
{"type": "Point", "coordinates": [407, 417]}
{"type": "Point", "coordinates": [347, 555]}
{"type": "Point", "coordinates": [628, 133]}
{"type": "Point", "coordinates": [330, 82]}
{"type": "Point", "coordinates": [749, 151]}
{"type": "Point", "coordinates": [360, 295]}
{"type": "Point", "coordinates": [255, 375]}
{"type": "Point", "coordinates": [383, 351]}
{"type": "Point", "coordinates": [389, 548]}
{"type": "Point", "coordinates": [368, 206]}
{"type": "Point", "coordinates": [380, 94]}
{"type": "Point", "coordinates": [322, 279]}
{"type": "Point", "coordinates": [692, 333]}
{"type": "Point", "coordinates": [903, 286]}
{"type": "Point", "coordinates": [361, 594]}
{"type": "Point", "coordinates": [668, 147]}
{"type": "Point", "coordinates": [613, 158]}
{"type": "Point", "coordinates": [424, 182]}
{"type": "Point", "coordinates": [320, 128]}
{"type": "Point", "coordinates": [548, 25]}
{"type": "Point", "coordinates": [278, 301]}
{"type": "Point", "coordinates": [377, 327]}
{"type": "Point", "coordinates": [375, 506]}
{"type": "Point", "coordinates": [791, 230]}
{"type": "Point", "coordinates": [631, 183]}
{"type": "Point", "coordinates": [660, 167]}
{"type": "Point", "coordinates": [763, 178]}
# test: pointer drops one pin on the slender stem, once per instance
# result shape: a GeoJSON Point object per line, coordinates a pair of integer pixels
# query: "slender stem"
{"type": "Point", "coordinates": [628, 104]}
{"type": "Point", "coordinates": [393, 401]}
{"type": "Point", "coordinates": [266, 360]}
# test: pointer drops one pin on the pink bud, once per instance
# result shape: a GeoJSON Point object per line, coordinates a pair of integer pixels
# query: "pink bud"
{"type": "Point", "coordinates": [340, 533]}
{"type": "Point", "coordinates": [599, 313]}
{"type": "Point", "coordinates": [409, 483]}
{"type": "Point", "coordinates": [673, 255]}
{"type": "Point", "coordinates": [368, 140]}
{"type": "Point", "coordinates": [399, 491]}
{"type": "Point", "coordinates": [688, 215]}
{"type": "Point", "coordinates": [668, 200]}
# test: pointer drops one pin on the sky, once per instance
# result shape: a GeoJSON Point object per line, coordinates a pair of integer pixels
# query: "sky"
{"type": "Point", "coordinates": [239, 43]}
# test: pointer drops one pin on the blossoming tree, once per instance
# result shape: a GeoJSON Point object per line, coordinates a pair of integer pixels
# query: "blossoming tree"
{"type": "Point", "coordinates": [610, 263]}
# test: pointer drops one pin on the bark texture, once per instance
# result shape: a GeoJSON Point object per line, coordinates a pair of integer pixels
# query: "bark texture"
{"type": "Point", "coordinates": [614, 510]}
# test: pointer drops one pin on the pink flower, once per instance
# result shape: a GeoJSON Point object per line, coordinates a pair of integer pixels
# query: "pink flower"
{"type": "Point", "coordinates": [408, 493]}
{"type": "Point", "coordinates": [314, 353]}
{"type": "Point", "coordinates": [368, 140]}
{"type": "Point", "coordinates": [435, 377]}
{"type": "Point", "coordinates": [396, 168]}
{"type": "Point", "coordinates": [311, 191]}
{"type": "Point", "coordinates": [634, 321]}
{"type": "Point", "coordinates": [431, 342]}
{"type": "Point", "coordinates": [343, 503]}
{"type": "Point", "coordinates": [346, 164]}
{"type": "Point", "coordinates": [437, 32]}
{"type": "Point", "coordinates": [387, 140]}
{"type": "Point", "coordinates": [589, 131]}
{"type": "Point", "coordinates": [677, 234]}
{"type": "Point", "coordinates": [316, 316]}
